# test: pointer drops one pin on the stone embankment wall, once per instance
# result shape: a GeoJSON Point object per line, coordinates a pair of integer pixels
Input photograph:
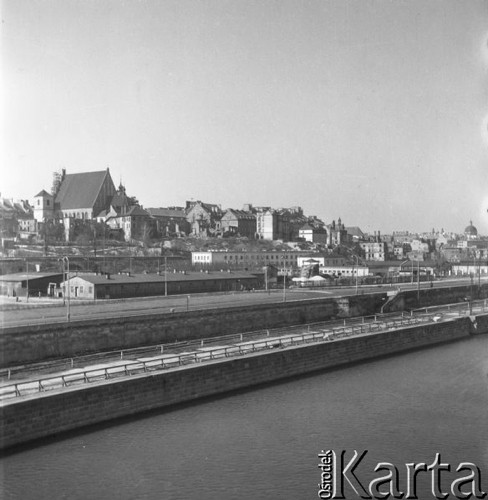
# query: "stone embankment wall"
{"type": "Point", "coordinates": [36, 343]}
{"type": "Point", "coordinates": [479, 324]}
{"type": "Point", "coordinates": [50, 413]}
{"type": "Point", "coordinates": [436, 296]}
{"type": "Point", "coordinates": [42, 342]}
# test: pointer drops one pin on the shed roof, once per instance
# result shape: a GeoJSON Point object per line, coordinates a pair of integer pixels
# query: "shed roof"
{"type": "Point", "coordinates": [31, 276]}
{"type": "Point", "coordinates": [114, 279]}
{"type": "Point", "coordinates": [166, 212]}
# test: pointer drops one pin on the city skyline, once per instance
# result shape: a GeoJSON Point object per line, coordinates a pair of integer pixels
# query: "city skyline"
{"type": "Point", "coordinates": [374, 112]}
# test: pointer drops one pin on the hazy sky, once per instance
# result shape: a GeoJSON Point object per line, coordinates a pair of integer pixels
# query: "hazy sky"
{"type": "Point", "coordinates": [374, 111]}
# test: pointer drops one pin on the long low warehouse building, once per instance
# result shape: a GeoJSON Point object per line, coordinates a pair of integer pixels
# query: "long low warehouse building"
{"type": "Point", "coordinates": [23, 284]}
{"type": "Point", "coordinates": [125, 285]}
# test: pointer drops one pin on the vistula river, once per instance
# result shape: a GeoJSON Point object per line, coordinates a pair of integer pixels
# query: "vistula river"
{"type": "Point", "coordinates": [263, 443]}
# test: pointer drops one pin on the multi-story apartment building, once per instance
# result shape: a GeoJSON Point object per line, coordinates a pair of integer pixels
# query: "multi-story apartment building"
{"type": "Point", "coordinates": [16, 218]}
{"type": "Point", "coordinates": [345, 271]}
{"type": "Point", "coordinates": [337, 234]}
{"type": "Point", "coordinates": [288, 259]}
{"type": "Point", "coordinates": [399, 252]}
{"type": "Point", "coordinates": [375, 250]}
{"type": "Point", "coordinates": [134, 222]}
{"type": "Point", "coordinates": [170, 221]}
{"type": "Point", "coordinates": [204, 218]}
{"type": "Point", "coordinates": [313, 234]}
{"type": "Point", "coordinates": [238, 222]}
{"type": "Point", "coordinates": [273, 224]}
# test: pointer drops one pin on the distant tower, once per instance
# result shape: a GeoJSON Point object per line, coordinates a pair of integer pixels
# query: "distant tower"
{"type": "Point", "coordinates": [470, 232]}
{"type": "Point", "coordinates": [58, 178]}
{"type": "Point", "coordinates": [43, 206]}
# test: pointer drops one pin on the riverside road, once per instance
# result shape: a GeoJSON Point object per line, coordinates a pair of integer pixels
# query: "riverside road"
{"type": "Point", "coordinates": [38, 311]}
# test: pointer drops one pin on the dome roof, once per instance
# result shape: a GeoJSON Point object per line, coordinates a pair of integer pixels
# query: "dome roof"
{"type": "Point", "coordinates": [471, 230]}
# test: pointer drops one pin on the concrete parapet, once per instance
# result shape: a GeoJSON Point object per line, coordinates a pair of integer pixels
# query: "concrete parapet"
{"type": "Point", "coordinates": [479, 324]}
{"type": "Point", "coordinates": [427, 297]}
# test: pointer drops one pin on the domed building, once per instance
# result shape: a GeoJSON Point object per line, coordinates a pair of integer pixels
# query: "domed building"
{"type": "Point", "coordinates": [471, 233]}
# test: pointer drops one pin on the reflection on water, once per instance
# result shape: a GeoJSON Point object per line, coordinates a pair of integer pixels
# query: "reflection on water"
{"type": "Point", "coordinates": [263, 444]}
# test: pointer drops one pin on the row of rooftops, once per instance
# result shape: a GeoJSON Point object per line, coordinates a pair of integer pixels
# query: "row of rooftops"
{"type": "Point", "coordinates": [177, 276]}
{"type": "Point", "coordinates": [19, 207]}
{"type": "Point", "coordinates": [82, 190]}
{"type": "Point", "coordinates": [123, 277]}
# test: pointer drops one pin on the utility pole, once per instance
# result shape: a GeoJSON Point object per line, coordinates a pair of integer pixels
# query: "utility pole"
{"type": "Point", "coordinates": [165, 277]}
{"type": "Point", "coordinates": [357, 269]}
{"type": "Point", "coordinates": [284, 279]}
{"type": "Point", "coordinates": [27, 274]}
{"type": "Point", "coordinates": [418, 281]}
{"type": "Point", "coordinates": [471, 295]}
{"type": "Point", "coordinates": [68, 313]}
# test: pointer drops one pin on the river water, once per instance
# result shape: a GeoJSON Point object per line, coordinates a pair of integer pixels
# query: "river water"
{"type": "Point", "coordinates": [263, 443]}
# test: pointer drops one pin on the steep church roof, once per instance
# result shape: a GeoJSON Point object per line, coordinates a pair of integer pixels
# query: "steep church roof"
{"type": "Point", "coordinates": [80, 190]}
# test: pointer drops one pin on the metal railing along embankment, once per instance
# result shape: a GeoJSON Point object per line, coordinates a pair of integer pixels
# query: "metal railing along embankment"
{"type": "Point", "coordinates": [162, 361]}
{"type": "Point", "coordinates": [53, 366]}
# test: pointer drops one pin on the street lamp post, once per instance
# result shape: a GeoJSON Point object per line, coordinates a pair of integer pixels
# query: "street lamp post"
{"type": "Point", "coordinates": [68, 313]}
{"type": "Point", "coordinates": [27, 275]}
{"type": "Point", "coordinates": [284, 283]}
{"type": "Point", "coordinates": [479, 271]}
{"type": "Point", "coordinates": [418, 281]}
{"type": "Point", "coordinates": [471, 295]}
{"type": "Point", "coordinates": [284, 279]}
{"type": "Point", "coordinates": [165, 277]}
{"type": "Point", "coordinates": [357, 269]}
